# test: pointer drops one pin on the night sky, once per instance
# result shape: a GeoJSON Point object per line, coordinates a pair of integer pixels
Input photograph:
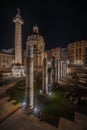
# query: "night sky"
{"type": "Point", "coordinates": [60, 21]}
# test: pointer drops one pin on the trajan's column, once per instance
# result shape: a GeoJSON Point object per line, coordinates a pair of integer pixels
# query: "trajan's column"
{"type": "Point", "coordinates": [18, 37]}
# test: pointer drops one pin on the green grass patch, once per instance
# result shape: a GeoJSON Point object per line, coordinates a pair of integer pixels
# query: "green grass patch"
{"type": "Point", "coordinates": [56, 106]}
{"type": "Point", "coordinates": [17, 92]}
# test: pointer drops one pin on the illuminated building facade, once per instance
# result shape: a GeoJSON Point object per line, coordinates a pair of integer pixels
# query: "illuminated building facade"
{"type": "Point", "coordinates": [77, 52]}
{"type": "Point", "coordinates": [18, 71]}
{"type": "Point", "coordinates": [6, 60]}
{"type": "Point", "coordinates": [54, 53]}
{"type": "Point", "coordinates": [57, 64]}
{"type": "Point", "coordinates": [39, 49]}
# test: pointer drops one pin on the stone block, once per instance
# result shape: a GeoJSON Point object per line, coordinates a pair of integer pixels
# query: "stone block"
{"type": "Point", "coordinates": [65, 124]}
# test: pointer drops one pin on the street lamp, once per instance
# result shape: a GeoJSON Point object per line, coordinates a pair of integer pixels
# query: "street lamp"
{"type": "Point", "coordinates": [23, 105]}
{"type": "Point", "coordinates": [35, 109]}
{"type": "Point", "coordinates": [50, 93]}
{"type": "Point", "coordinates": [40, 91]}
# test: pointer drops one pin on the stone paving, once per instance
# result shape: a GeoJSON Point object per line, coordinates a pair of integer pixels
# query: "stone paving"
{"type": "Point", "coordinates": [7, 108]}
{"type": "Point", "coordinates": [65, 124]}
{"type": "Point", "coordinates": [81, 120]}
{"type": "Point", "coordinates": [22, 121]}
{"type": "Point", "coordinates": [79, 123]}
{"type": "Point", "coordinates": [19, 120]}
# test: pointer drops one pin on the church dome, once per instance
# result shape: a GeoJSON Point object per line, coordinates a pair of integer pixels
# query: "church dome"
{"type": "Point", "coordinates": [35, 36]}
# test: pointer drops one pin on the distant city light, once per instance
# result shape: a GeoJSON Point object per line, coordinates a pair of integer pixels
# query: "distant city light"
{"type": "Point", "coordinates": [41, 91]}
{"type": "Point", "coordinates": [23, 105]}
{"type": "Point", "coordinates": [50, 93]}
{"type": "Point", "coordinates": [35, 109]}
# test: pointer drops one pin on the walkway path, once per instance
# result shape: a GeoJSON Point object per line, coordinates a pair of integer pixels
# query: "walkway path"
{"type": "Point", "coordinates": [21, 121]}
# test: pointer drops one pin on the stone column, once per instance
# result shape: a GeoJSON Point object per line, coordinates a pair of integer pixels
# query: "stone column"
{"type": "Point", "coordinates": [50, 75]}
{"type": "Point", "coordinates": [58, 72]}
{"type": "Point", "coordinates": [45, 77]}
{"type": "Point", "coordinates": [51, 79]}
{"type": "Point", "coordinates": [43, 82]}
{"type": "Point", "coordinates": [18, 37]}
{"type": "Point", "coordinates": [61, 70]}
{"type": "Point", "coordinates": [55, 70]}
{"type": "Point", "coordinates": [66, 67]}
{"type": "Point", "coordinates": [29, 96]}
